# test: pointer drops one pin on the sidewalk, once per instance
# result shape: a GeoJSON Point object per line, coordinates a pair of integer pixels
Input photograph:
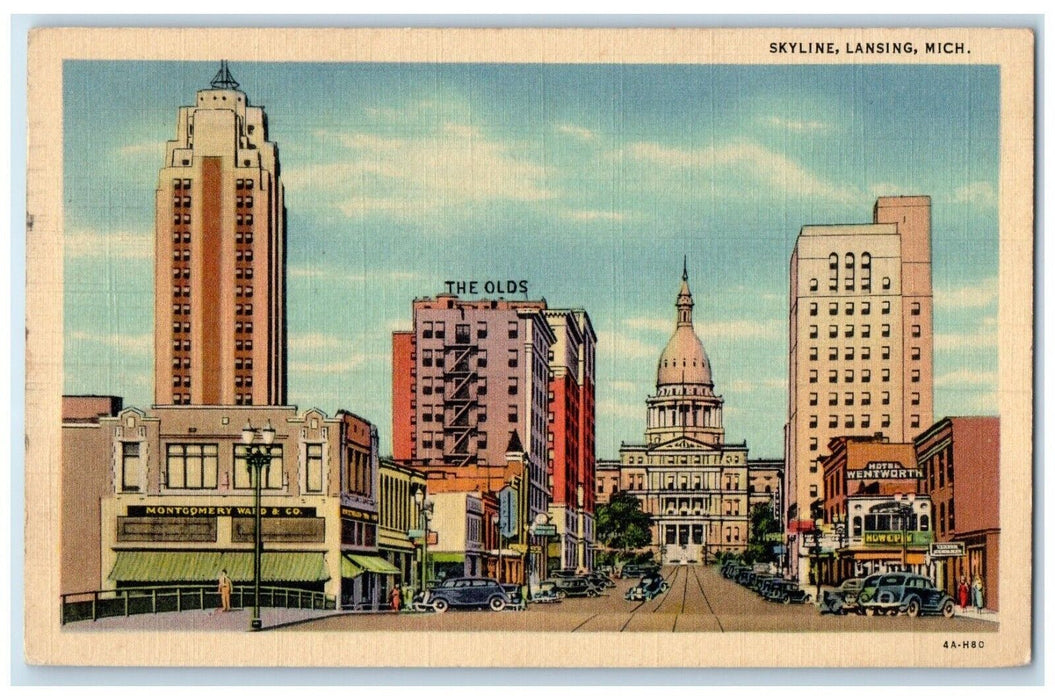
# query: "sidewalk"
{"type": "Point", "coordinates": [986, 615]}
{"type": "Point", "coordinates": [203, 620]}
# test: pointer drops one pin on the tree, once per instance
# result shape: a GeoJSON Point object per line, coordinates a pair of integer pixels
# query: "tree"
{"type": "Point", "coordinates": [621, 524]}
{"type": "Point", "coordinates": [759, 549]}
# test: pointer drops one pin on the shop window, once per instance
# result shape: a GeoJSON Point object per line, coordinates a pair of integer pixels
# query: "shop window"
{"type": "Point", "coordinates": [191, 466]}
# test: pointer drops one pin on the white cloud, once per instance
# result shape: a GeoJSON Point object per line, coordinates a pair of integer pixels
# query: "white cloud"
{"type": "Point", "coordinates": [576, 131]}
{"type": "Point", "coordinates": [144, 148]}
{"type": "Point", "coordinates": [648, 323]}
{"type": "Point", "coordinates": [619, 345]}
{"type": "Point", "coordinates": [965, 378]}
{"type": "Point", "coordinates": [334, 275]}
{"type": "Point", "coordinates": [436, 168]}
{"type": "Point", "coordinates": [610, 407]}
{"type": "Point", "coordinates": [981, 194]}
{"type": "Point", "coordinates": [771, 170]}
{"type": "Point", "coordinates": [982, 336]}
{"type": "Point", "coordinates": [593, 215]}
{"type": "Point", "coordinates": [972, 296]}
{"type": "Point", "coordinates": [350, 362]}
{"type": "Point", "coordinates": [796, 124]}
{"type": "Point", "coordinates": [732, 329]}
{"type": "Point", "coordinates": [315, 341]}
{"type": "Point", "coordinates": [125, 245]}
{"type": "Point", "coordinates": [747, 386]}
{"type": "Point", "coordinates": [623, 386]}
{"type": "Point", "coordinates": [138, 344]}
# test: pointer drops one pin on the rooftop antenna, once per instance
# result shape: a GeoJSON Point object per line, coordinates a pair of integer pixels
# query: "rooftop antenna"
{"type": "Point", "coordinates": [685, 268]}
{"type": "Point", "coordinates": [223, 78]}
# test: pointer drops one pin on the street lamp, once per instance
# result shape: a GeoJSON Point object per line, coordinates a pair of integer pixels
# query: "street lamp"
{"type": "Point", "coordinates": [541, 521]}
{"type": "Point", "coordinates": [904, 511]}
{"type": "Point", "coordinates": [257, 457]}
{"type": "Point", "coordinates": [424, 513]}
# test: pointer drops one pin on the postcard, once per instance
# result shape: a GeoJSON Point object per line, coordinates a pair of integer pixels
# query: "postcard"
{"type": "Point", "coordinates": [529, 347]}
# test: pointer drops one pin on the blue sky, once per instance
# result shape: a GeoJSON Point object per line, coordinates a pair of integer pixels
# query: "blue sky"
{"type": "Point", "coordinates": [589, 181]}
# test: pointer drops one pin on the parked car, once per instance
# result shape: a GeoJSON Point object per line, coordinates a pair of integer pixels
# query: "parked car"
{"type": "Point", "coordinates": [547, 592]}
{"type": "Point", "coordinates": [651, 585]}
{"type": "Point", "coordinates": [843, 599]}
{"type": "Point", "coordinates": [733, 573]}
{"type": "Point", "coordinates": [635, 570]}
{"type": "Point", "coordinates": [767, 585]}
{"type": "Point", "coordinates": [904, 592]}
{"type": "Point", "coordinates": [759, 581]}
{"type": "Point", "coordinates": [746, 577]}
{"type": "Point", "coordinates": [600, 580]}
{"type": "Point", "coordinates": [576, 587]}
{"type": "Point", "coordinates": [787, 592]}
{"type": "Point", "coordinates": [564, 573]}
{"type": "Point", "coordinates": [469, 593]}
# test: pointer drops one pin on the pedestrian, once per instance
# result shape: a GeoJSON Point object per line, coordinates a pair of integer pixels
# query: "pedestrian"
{"type": "Point", "coordinates": [978, 593]}
{"type": "Point", "coordinates": [225, 591]}
{"type": "Point", "coordinates": [394, 598]}
{"type": "Point", "coordinates": [962, 592]}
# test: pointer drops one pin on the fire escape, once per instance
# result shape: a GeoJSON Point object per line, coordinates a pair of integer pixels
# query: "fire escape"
{"type": "Point", "coordinates": [459, 400]}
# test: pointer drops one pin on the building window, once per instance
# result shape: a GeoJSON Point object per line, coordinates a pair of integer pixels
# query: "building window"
{"type": "Point", "coordinates": [313, 464]}
{"type": "Point", "coordinates": [813, 353]}
{"type": "Point", "coordinates": [813, 284]}
{"type": "Point", "coordinates": [866, 330]}
{"type": "Point", "coordinates": [833, 331]}
{"type": "Point", "coordinates": [514, 386]}
{"type": "Point", "coordinates": [866, 376]}
{"type": "Point", "coordinates": [813, 399]}
{"type": "Point", "coordinates": [813, 331]}
{"type": "Point", "coordinates": [886, 420]}
{"type": "Point", "coordinates": [833, 421]}
{"type": "Point", "coordinates": [915, 398]}
{"type": "Point", "coordinates": [849, 332]}
{"type": "Point", "coordinates": [866, 353]}
{"type": "Point", "coordinates": [886, 330]}
{"type": "Point", "coordinates": [916, 331]}
{"type": "Point", "coordinates": [914, 421]}
{"type": "Point", "coordinates": [833, 399]}
{"type": "Point", "coordinates": [833, 353]}
{"type": "Point", "coordinates": [886, 283]}
{"type": "Point", "coordinates": [271, 476]}
{"type": "Point", "coordinates": [481, 415]}
{"type": "Point", "coordinates": [813, 309]}
{"type": "Point", "coordinates": [833, 308]}
{"type": "Point", "coordinates": [190, 466]}
{"type": "Point", "coordinates": [813, 376]}
{"type": "Point", "coordinates": [514, 330]}
{"type": "Point", "coordinates": [866, 307]}
{"type": "Point", "coordinates": [481, 359]}
{"type": "Point", "coordinates": [427, 330]}
{"type": "Point", "coordinates": [848, 377]}
{"type": "Point", "coordinates": [130, 466]}
{"type": "Point", "coordinates": [914, 375]}
{"type": "Point", "coordinates": [426, 358]}
{"type": "Point", "coordinates": [866, 421]}
{"type": "Point", "coordinates": [833, 376]}
{"type": "Point", "coordinates": [513, 358]}
{"type": "Point", "coordinates": [849, 420]}
{"type": "Point", "coordinates": [848, 398]}
{"type": "Point", "coordinates": [813, 421]}
{"type": "Point", "coordinates": [884, 375]}
{"type": "Point", "coordinates": [813, 491]}
{"type": "Point", "coordinates": [914, 309]}
{"type": "Point", "coordinates": [866, 398]}
{"type": "Point", "coordinates": [849, 309]}
{"type": "Point", "coordinates": [848, 354]}
{"type": "Point", "coordinates": [850, 270]}
{"type": "Point", "coordinates": [833, 272]}
{"type": "Point", "coordinates": [481, 329]}
{"type": "Point", "coordinates": [915, 354]}
{"type": "Point", "coordinates": [481, 387]}
{"type": "Point", "coordinates": [813, 466]}
{"type": "Point", "coordinates": [440, 329]}
{"type": "Point", "coordinates": [813, 442]}
{"type": "Point", "coordinates": [885, 307]}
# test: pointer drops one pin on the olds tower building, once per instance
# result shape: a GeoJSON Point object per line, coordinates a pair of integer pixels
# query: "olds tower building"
{"type": "Point", "coordinates": [220, 228]}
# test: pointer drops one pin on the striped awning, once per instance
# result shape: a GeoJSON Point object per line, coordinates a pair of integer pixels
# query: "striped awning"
{"type": "Point", "coordinates": [157, 567]}
{"type": "Point", "coordinates": [353, 565]}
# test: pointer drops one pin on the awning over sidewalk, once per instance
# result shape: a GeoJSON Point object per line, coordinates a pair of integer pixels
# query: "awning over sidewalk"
{"type": "Point", "coordinates": [353, 565]}
{"type": "Point", "coordinates": [159, 567]}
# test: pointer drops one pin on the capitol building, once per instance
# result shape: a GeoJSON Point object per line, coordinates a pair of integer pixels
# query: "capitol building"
{"type": "Point", "coordinates": [694, 486]}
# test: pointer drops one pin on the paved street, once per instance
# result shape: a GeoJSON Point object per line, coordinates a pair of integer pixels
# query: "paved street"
{"type": "Point", "coordinates": [699, 600]}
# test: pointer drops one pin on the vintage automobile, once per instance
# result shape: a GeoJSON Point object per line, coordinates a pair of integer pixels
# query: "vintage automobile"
{"type": "Point", "coordinates": [635, 570]}
{"type": "Point", "coordinates": [729, 566]}
{"type": "Point", "coordinates": [651, 585]}
{"type": "Point", "coordinates": [600, 580]}
{"type": "Point", "coordinates": [759, 581]}
{"type": "Point", "coordinates": [576, 587]}
{"type": "Point", "coordinates": [469, 593]}
{"type": "Point", "coordinates": [842, 600]}
{"type": "Point", "coordinates": [787, 592]}
{"type": "Point", "coordinates": [768, 585]}
{"type": "Point", "coordinates": [547, 592]}
{"type": "Point", "coordinates": [903, 592]}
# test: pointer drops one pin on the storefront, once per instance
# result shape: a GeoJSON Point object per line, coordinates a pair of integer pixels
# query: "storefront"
{"type": "Point", "coordinates": [366, 581]}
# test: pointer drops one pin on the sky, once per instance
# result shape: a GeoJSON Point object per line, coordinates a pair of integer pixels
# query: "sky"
{"type": "Point", "coordinates": [591, 182]}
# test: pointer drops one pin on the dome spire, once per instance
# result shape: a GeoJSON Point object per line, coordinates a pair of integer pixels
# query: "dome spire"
{"type": "Point", "coordinates": [223, 78]}
{"type": "Point", "coordinates": [685, 302]}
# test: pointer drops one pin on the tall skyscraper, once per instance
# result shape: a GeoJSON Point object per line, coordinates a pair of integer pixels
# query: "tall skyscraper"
{"type": "Point", "coordinates": [861, 343]}
{"type": "Point", "coordinates": [220, 229]}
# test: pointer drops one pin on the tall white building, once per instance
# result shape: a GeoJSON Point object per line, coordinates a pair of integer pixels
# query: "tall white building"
{"type": "Point", "coordinates": [861, 345]}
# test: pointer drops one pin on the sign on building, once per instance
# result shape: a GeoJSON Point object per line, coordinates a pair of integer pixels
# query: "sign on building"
{"type": "Point", "coordinates": [941, 550]}
{"type": "Point", "coordinates": [507, 512]}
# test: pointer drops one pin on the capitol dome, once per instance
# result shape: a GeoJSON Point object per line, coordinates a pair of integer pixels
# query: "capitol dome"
{"type": "Point", "coordinates": [684, 360]}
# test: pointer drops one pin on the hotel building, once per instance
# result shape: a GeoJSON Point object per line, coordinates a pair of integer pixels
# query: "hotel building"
{"type": "Point", "coordinates": [860, 346]}
{"type": "Point", "coordinates": [220, 230]}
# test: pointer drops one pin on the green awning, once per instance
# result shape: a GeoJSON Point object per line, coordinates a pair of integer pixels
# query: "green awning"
{"type": "Point", "coordinates": [206, 566]}
{"type": "Point", "coordinates": [353, 565]}
{"type": "Point", "coordinates": [447, 557]}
